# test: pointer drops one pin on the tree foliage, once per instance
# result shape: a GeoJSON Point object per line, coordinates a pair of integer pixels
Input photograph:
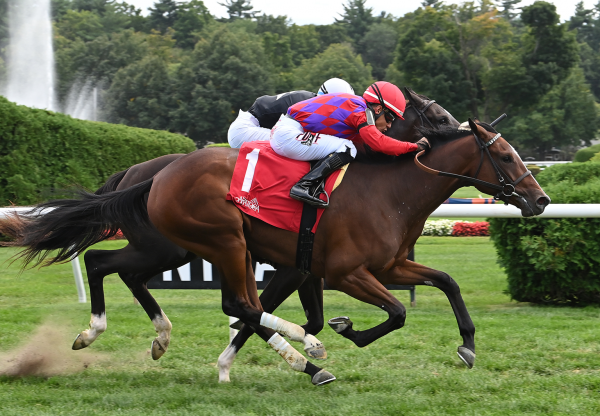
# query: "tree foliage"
{"type": "Point", "coordinates": [478, 59]}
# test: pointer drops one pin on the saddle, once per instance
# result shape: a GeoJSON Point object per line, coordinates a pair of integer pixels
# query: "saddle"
{"type": "Point", "coordinates": [260, 188]}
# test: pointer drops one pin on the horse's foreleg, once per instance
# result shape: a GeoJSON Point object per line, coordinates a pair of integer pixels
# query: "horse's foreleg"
{"type": "Point", "coordinates": [411, 273]}
{"type": "Point", "coordinates": [279, 288]}
{"type": "Point", "coordinates": [237, 302]}
{"type": "Point", "coordinates": [362, 285]}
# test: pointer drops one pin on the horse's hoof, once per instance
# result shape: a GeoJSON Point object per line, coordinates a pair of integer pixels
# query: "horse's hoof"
{"type": "Point", "coordinates": [467, 356]}
{"type": "Point", "coordinates": [314, 348]}
{"type": "Point", "coordinates": [322, 377]}
{"type": "Point", "coordinates": [157, 349]}
{"type": "Point", "coordinates": [340, 324]}
{"type": "Point", "coordinates": [236, 325]}
{"type": "Point", "coordinates": [79, 343]}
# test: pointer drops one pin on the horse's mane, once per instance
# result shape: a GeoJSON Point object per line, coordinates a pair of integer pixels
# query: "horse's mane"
{"type": "Point", "coordinates": [435, 137]}
{"type": "Point", "coordinates": [443, 136]}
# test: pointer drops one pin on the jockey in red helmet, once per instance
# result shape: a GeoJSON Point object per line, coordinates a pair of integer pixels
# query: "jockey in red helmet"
{"type": "Point", "coordinates": [325, 127]}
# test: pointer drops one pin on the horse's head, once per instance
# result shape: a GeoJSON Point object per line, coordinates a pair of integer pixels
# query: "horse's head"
{"type": "Point", "coordinates": [502, 166]}
{"type": "Point", "coordinates": [420, 112]}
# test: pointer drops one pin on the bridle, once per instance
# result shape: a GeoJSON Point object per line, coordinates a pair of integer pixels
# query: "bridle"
{"type": "Point", "coordinates": [421, 112]}
{"type": "Point", "coordinates": [506, 188]}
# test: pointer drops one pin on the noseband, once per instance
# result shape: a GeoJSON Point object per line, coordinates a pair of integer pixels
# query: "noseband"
{"type": "Point", "coordinates": [505, 189]}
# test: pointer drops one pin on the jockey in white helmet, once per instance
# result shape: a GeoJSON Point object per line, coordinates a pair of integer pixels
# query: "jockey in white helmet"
{"type": "Point", "coordinates": [335, 85]}
{"type": "Point", "coordinates": [257, 122]}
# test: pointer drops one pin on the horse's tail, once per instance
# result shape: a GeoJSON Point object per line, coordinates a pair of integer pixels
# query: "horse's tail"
{"type": "Point", "coordinates": [72, 225]}
{"type": "Point", "coordinates": [111, 183]}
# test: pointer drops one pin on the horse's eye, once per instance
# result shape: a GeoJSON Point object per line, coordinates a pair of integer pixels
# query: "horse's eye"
{"type": "Point", "coordinates": [507, 159]}
{"type": "Point", "coordinates": [443, 120]}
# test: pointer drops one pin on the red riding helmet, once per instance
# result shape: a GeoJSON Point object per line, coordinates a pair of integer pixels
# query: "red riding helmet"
{"type": "Point", "coordinates": [388, 95]}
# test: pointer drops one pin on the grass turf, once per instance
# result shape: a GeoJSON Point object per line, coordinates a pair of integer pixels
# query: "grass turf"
{"type": "Point", "coordinates": [530, 359]}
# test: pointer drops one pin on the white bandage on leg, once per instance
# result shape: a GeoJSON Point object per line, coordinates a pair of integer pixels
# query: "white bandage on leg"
{"type": "Point", "coordinates": [290, 330]}
{"type": "Point", "coordinates": [287, 352]}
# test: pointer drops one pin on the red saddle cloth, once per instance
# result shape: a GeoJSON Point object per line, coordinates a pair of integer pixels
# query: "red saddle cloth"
{"type": "Point", "coordinates": [261, 183]}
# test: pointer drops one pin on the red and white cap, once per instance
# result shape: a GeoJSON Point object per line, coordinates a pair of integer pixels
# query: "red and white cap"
{"type": "Point", "coordinates": [388, 95]}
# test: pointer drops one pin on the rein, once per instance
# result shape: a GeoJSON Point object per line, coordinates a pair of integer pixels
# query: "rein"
{"type": "Point", "coordinates": [505, 189]}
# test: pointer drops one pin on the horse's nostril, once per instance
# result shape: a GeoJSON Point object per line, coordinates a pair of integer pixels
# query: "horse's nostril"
{"type": "Point", "coordinates": [543, 201]}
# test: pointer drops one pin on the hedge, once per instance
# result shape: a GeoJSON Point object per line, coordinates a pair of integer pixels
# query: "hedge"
{"type": "Point", "coordinates": [585, 154]}
{"type": "Point", "coordinates": [42, 153]}
{"type": "Point", "coordinates": [554, 261]}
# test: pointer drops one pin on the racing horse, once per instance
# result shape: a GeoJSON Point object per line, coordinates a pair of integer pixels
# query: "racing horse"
{"type": "Point", "coordinates": [361, 245]}
{"type": "Point", "coordinates": [148, 253]}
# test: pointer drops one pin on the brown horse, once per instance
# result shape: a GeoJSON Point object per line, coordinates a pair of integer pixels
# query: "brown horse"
{"type": "Point", "coordinates": [149, 253]}
{"type": "Point", "coordinates": [361, 244]}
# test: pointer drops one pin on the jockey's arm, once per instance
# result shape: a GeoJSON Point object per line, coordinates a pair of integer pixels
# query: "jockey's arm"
{"type": "Point", "coordinates": [378, 141]}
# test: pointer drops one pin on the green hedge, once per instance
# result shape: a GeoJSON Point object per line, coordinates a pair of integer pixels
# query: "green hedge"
{"type": "Point", "coordinates": [42, 153]}
{"type": "Point", "coordinates": [585, 154]}
{"type": "Point", "coordinates": [554, 260]}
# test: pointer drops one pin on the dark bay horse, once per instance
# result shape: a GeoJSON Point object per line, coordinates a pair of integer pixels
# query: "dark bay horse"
{"type": "Point", "coordinates": [149, 253]}
{"type": "Point", "coordinates": [361, 244]}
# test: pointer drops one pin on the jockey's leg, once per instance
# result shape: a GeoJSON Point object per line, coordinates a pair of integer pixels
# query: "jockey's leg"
{"type": "Point", "coordinates": [246, 128]}
{"type": "Point", "coordinates": [289, 139]}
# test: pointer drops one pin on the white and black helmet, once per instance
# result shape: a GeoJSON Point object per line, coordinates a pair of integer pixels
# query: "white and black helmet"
{"type": "Point", "coordinates": [335, 85]}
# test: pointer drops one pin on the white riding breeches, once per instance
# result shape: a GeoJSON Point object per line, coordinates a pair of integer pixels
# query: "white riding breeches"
{"type": "Point", "coordinates": [244, 129]}
{"type": "Point", "coordinates": [289, 139]}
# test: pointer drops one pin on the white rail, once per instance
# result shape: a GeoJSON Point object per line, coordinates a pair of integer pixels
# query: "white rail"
{"type": "Point", "coordinates": [509, 211]}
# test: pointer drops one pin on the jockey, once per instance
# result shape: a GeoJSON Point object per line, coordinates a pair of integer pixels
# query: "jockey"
{"type": "Point", "coordinates": [257, 122]}
{"type": "Point", "coordinates": [324, 127]}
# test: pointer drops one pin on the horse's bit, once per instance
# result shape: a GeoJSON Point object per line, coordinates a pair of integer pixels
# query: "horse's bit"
{"type": "Point", "coordinates": [506, 189]}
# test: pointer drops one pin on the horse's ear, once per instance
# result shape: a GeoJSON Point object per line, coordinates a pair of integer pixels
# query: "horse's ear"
{"type": "Point", "coordinates": [411, 96]}
{"type": "Point", "coordinates": [473, 126]}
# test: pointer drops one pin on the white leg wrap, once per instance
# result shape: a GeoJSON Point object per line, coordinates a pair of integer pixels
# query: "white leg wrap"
{"type": "Point", "coordinates": [290, 330]}
{"type": "Point", "coordinates": [163, 328]}
{"type": "Point", "coordinates": [295, 333]}
{"type": "Point", "coordinates": [97, 326]}
{"type": "Point", "coordinates": [289, 354]}
{"type": "Point", "coordinates": [225, 362]}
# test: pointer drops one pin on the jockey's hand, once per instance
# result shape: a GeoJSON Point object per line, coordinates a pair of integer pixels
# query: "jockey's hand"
{"type": "Point", "coordinates": [423, 144]}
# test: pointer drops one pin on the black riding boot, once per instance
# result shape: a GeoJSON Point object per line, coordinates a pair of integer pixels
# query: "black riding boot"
{"type": "Point", "coordinates": [309, 187]}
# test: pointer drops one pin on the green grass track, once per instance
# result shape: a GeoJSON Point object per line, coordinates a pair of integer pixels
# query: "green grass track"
{"type": "Point", "coordinates": [531, 360]}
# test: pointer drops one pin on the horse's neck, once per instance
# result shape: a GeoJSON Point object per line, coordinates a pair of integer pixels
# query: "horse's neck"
{"type": "Point", "coordinates": [420, 192]}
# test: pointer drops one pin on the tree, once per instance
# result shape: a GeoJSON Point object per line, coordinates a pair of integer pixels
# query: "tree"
{"type": "Point", "coordinates": [239, 9]}
{"type": "Point", "coordinates": [566, 115]}
{"type": "Point", "coordinates": [141, 95]}
{"type": "Point", "coordinates": [337, 61]}
{"type": "Point", "coordinates": [163, 15]}
{"type": "Point", "coordinates": [191, 18]}
{"type": "Point", "coordinates": [304, 42]}
{"type": "Point", "coordinates": [550, 51]}
{"type": "Point", "coordinates": [357, 19]}
{"type": "Point", "coordinates": [227, 71]}
{"type": "Point", "coordinates": [273, 24]}
{"type": "Point", "coordinates": [378, 48]}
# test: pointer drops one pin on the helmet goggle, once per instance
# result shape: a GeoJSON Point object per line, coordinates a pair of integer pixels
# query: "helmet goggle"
{"type": "Point", "coordinates": [389, 116]}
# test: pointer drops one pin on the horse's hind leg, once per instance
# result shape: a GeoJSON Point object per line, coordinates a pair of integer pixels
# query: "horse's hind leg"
{"type": "Point", "coordinates": [411, 273]}
{"type": "Point", "coordinates": [98, 264]}
{"type": "Point", "coordinates": [137, 284]}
